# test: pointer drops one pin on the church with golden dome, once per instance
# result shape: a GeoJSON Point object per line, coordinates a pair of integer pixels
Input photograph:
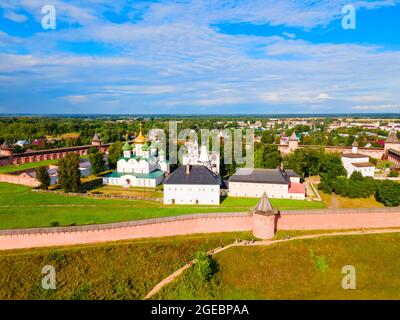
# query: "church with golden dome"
{"type": "Point", "coordinates": [143, 164]}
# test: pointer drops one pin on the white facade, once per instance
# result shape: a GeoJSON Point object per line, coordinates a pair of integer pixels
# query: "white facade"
{"type": "Point", "coordinates": [355, 161]}
{"type": "Point", "coordinates": [274, 182]}
{"type": "Point", "coordinates": [191, 194]}
{"type": "Point", "coordinates": [256, 190]}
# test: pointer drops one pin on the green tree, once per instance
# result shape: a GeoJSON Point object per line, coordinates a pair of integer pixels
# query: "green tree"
{"type": "Point", "coordinates": [114, 153]}
{"type": "Point", "coordinates": [97, 163]}
{"type": "Point", "coordinates": [267, 156]}
{"type": "Point", "coordinates": [69, 174]}
{"type": "Point", "coordinates": [388, 193]}
{"type": "Point", "coordinates": [43, 177]}
{"type": "Point", "coordinates": [267, 137]}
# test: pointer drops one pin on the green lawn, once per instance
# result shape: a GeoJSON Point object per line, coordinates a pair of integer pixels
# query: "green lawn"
{"type": "Point", "coordinates": [22, 208]}
{"type": "Point", "coordinates": [301, 269]}
{"type": "Point", "coordinates": [124, 270]}
{"type": "Point", "coordinates": [12, 168]}
{"type": "Point", "coordinates": [281, 204]}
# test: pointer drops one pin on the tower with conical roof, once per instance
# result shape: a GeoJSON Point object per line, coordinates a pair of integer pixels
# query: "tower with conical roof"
{"type": "Point", "coordinates": [293, 142]}
{"type": "Point", "coordinates": [96, 140]}
{"type": "Point", "coordinates": [264, 219]}
{"type": "Point", "coordinates": [392, 142]}
{"type": "Point", "coordinates": [6, 149]}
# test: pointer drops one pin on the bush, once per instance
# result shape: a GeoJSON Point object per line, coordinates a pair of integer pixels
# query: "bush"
{"type": "Point", "coordinates": [388, 193]}
{"type": "Point", "coordinates": [205, 267]}
{"type": "Point", "coordinates": [393, 174]}
{"type": "Point", "coordinates": [54, 224]}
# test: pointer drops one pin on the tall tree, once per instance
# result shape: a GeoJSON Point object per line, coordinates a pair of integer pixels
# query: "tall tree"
{"type": "Point", "coordinates": [97, 163]}
{"type": "Point", "coordinates": [69, 174]}
{"type": "Point", "coordinates": [267, 156]}
{"type": "Point", "coordinates": [114, 153]}
{"type": "Point", "coordinates": [43, 177]}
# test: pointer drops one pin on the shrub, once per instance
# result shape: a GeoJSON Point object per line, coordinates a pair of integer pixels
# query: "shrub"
{"type": "Point", "coordinates": [393, 174]}
{"type": "Point", "coordinates": [319, 261]}
{"type": "Point", "coordinates": [388, 193]}
{"type": "Point", "coordinates": [54, 224]}
{"type": "Point", "coordinates": [205, 267]}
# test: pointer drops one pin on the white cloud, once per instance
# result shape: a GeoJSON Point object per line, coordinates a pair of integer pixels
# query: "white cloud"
{"type": "Point", "coordinates": [173, 57]}
{"type": "Point", "coordinates": [13, 16]}
{"type": "Point", "coordinates": [382, 107]}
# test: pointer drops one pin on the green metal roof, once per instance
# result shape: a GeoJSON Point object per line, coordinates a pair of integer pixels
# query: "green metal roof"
{"type": "Point", "coordinates": [145, 147]}
{"type": "Point", "coordinates": [127, 147]}
{"type": "Point", "coordinates": [152, 175]}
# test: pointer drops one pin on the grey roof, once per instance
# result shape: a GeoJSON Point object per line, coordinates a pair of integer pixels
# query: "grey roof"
{"type": "Point", "coordinates": [274, 176]}
{"type": "Point", "coordinates": [198, 175]}
{"type": "Point", "coordinates": [395, 152]}
{"type": "Point", "coordinates": [355, 143]}
{"type": "Point", "coordinates": [263, 205]}
{"type": "Point", "coordinates": [96, 137]}
{"type": "Point", "coordinates": [354, 155]}
{"type": "Point", "coordinates": [392, 138]}
{"type": "Point", "coordinates": [291, 173]}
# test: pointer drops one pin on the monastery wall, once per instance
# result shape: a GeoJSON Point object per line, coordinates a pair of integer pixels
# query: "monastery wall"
{"type": "Point", "coordinates": [262, 226]}
{"type": "Point", "coordinates": [338, 219]}
{"type": "Point", "coordinates": [171, 226]}
{"type": "Point", "coordinates": [19, 179]}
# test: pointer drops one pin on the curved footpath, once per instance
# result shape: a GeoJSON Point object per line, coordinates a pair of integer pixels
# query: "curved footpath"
{"type": "Point", "coordinates": [177, 273]}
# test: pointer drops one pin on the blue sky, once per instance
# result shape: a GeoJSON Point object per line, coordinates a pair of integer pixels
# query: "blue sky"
{"type": "Point", "coordinates": [206, 57]}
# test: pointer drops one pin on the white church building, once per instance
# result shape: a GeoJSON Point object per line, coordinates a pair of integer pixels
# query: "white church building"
{"type": "Point", "coordinates": [142, 165]}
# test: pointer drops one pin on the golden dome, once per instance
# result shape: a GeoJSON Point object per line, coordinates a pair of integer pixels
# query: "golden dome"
{"type": "Point", "coordinates": [140, 139]}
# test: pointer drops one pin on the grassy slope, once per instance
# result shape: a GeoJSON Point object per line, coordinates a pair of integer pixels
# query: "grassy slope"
{"type": "Point", "coordinates": [287, 271]}
{"type": "Point", "coordinates": [21, 208]}
{"type": "Point", "coordinates": [125, 270]}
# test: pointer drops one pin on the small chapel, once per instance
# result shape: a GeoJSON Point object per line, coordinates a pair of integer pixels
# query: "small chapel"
{"type": "Point", "coordinates": [143, 164]}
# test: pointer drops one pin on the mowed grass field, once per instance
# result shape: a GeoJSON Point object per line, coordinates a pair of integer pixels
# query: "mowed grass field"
{"type": "Point", "coordinates": [124, 270]}
{"type": "Point", "coordinates": [300, 269]}
{"type": "Point", "coordinates": [22, 208]}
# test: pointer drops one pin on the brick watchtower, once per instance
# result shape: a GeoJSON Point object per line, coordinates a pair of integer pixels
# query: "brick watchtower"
{"type": "Point", "coordinates": [392, 142]}
{"type": "Point", "coordinates": [264, 219]}
{"type": "Point", "coordinates": [6, 150]}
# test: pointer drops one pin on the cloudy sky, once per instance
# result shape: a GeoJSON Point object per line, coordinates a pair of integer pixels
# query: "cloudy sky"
{"type": "Point", "coordinates": [208, 57]}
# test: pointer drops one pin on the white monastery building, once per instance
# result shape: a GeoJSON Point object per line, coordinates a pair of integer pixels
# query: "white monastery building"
{"type": "Point", "coordinates": [192, 185]}
{"type": "Point", "coordinates": [276, 183]}
{"type": "Point", "coordinates": [141, 165]}
{"type": "Point", "coordinates": [355, 161]}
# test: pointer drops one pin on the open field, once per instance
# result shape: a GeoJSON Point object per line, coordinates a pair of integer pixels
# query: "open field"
{"type": "Point", "coordinates": [300, 269]}
{"type": "Point", "coordinates": [132, 192]}
{"type": "Point", "coordinates": [281, 204]}
{"type": "Point", "coordinates": [21, 208]}
{"type": "Point", "coordinates": [123, 270]}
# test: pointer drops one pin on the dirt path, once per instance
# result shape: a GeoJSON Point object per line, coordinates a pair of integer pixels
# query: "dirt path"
{"type": "Point", "coordinates": [177, 273]}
